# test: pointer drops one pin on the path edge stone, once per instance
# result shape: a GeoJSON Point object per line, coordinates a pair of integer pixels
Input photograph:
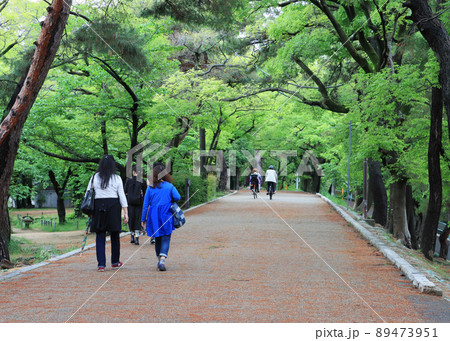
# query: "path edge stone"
{"type": "Point", "coordinates": [208, 202]}
{"type": "Point", "coordinates": [418, 279]}
{"type": "Point", "coordinates": [77, 251]}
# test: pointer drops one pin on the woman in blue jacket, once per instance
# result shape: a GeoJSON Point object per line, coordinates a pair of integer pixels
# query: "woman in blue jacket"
{"type": "Point", "coordinates": [156, 215]}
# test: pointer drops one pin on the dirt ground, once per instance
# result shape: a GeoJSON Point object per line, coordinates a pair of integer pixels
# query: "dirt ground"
{"type": "Point", "coordinates": [60, 240]}
{"type": "Point", "coordinates": [292, 259]}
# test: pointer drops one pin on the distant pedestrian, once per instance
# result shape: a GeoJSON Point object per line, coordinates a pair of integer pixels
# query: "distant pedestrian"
{"type": "Point", "coordinates": [156, 216]}
{"type": "Point", "coordinates": [109, 200]}
{"type": "Point", "coordinates": [134, 191]}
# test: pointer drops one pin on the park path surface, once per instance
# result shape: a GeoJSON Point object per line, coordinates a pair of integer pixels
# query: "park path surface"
{"type": "Point", "coordinates": [292, 259]}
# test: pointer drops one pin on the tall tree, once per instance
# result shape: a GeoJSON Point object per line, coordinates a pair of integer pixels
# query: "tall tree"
{"type": "Point", "coordinates": [435, 33]}
{"type": "Point", "coordinates": [434, 176]}
{"type": "Point", "coordinates": [12, 125]}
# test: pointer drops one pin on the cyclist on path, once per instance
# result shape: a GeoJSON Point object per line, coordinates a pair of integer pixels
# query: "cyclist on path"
{"type": "Point", "coordinates": [271, 179]}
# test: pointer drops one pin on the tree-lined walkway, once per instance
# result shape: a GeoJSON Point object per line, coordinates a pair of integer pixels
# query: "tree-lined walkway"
{"type": "Point", "coordinates": [292, 259]}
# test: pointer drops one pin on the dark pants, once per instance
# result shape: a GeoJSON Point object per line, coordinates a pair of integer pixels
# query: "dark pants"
{"type": "Point", "coordinates": [134, 217]}
{"type": "Point", "coordinates": [271, 184]}
{"type": "Point", "coordinates": [162, 244]}
{"type": "Point", "coordinates": [100, 242]}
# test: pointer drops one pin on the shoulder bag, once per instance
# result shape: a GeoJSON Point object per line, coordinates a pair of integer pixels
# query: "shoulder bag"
{"type": "Point", "coordinates": [177, 214]}
{"type": "Point", "coordinates": [87, 206]}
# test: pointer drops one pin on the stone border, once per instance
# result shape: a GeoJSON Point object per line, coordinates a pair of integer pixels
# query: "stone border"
{"type": "Point", "coordinates": [20, 271]}
{"type": "Point", "coordinates": [209, 202]}
{"type": "Point", "coordinates": [415, 276]}
{"type": "Point", "coordinates": [77, 251]}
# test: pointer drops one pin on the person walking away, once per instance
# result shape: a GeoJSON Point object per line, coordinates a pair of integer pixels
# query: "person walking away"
{"type": "Point", "coordinates": [134, 191]}
{"type": "Point", "coordinates": [109, 200]}
{"type": "Point", "coordinates": [156, 215]}
{"type": "Point", "coordinates": [271, 179]}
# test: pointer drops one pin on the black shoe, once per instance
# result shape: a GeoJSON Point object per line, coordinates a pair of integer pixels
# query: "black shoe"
{"type": "Point", "coordinates": [152, 240]}
{"type": "Point", "coordinates": [132, 239]}
{"type": "Point", "coordinates": [136, 241]}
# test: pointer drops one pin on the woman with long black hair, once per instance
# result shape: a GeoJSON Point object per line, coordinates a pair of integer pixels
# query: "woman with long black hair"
{"type": "Point", "coordinates": [109, 200]}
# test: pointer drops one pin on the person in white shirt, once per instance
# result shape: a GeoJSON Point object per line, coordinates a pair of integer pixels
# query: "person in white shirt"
{"type": "Point", "coordinates": [109, 200]}
{"type": "Point", "coordinates": [271, 179]}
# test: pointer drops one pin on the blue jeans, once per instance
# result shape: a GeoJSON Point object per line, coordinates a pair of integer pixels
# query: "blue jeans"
{"type": "Point", "coordinates": [100, 241]}
{"type": "Point", "coordinates": [162, 244]}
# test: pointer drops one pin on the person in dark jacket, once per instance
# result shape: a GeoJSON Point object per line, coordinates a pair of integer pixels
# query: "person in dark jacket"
{"type": "Point", "coordinates": [134, 191]}
{"type": "Point", "coordinates": [109, 200]}
{"type": "Point", "coordinates": [156, 215]}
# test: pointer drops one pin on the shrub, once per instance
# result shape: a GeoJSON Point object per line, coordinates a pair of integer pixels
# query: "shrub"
{"type": "Point", "coordinates": [197, 190]}
{"type": "Point", "coordinates": [212, 186]}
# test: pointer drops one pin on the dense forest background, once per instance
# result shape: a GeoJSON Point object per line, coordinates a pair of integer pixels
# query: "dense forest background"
{"type": "Point", "coordinates": [245, 78]}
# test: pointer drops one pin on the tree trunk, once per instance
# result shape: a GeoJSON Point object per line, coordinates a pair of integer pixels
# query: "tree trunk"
{"type": "Point", "coordinates": [434, 176]}
{"type": "Point", "coordinates": [434, 32]}
{"type": "Point", "coordinates": [411, 217]}
{"type": "Point", "coordinates": [443, 252]}
{"type": "Point", "coordinates": [369, 196]}
{"type": "Point", "coordinates": [203, 159]}
{"type": "Point", "coordinates": [5, 226]}
{"type": "Point", "coordinates": [397, 222]}
{"type": "Point", "coordinates": [60, 189]}
{"type": "Point", "coordinates": [305, 184]}
{"type": "Point", "coordinates": [12, 125]}
{"type": "Point", "coordinates": [61, 208]}
{"type": "Point", "coordinates": [315, 183]}
{"type": "Point", "coordinates": [238, 178]}
{"type": "Point", "coordinates": [379, 194]}
{"type": "Point", "coordinates": [223, 179]}
{"type": "Point", "coordinates": [185, 124]}
{"type": "Point", "coordinates": [419, 228]}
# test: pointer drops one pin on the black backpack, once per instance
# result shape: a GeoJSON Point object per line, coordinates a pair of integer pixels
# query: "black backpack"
{"type": "Point", "coordinates": [254, 178]}
{"type": "Point", "coordinates": [134, 192]}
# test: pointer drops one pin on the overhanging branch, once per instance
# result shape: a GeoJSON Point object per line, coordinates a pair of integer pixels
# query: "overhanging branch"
{"type": "Point", "coordinates": [335, 107]}
{"type": "Point", "coordinates": [63, 157]}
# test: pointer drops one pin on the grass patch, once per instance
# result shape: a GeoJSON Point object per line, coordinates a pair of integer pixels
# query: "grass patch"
{"type": "Point", "coordinates": [23, 253]}
{"type": "Point", "coordinates": [16, 245]}
{"type": "Point", "coordinates": [220, 194]}
{"type": "Point", "coordinates": [46, 220]}
{"type": "Point", "coordinates": [337, 200]}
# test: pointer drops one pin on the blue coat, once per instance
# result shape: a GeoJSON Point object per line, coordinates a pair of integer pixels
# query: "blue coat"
{"type": "Point", "coordinates": [156, 211]}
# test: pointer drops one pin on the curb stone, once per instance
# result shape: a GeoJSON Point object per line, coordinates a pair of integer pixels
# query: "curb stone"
{"type": "Point", "coordinates": [209, 202]}
{"type": "Point", "coordinates": [77, 251]}
{"type": "Point", "coordinates": [418, 279]}
{"type": "Point", "coordinates": [50, 260]}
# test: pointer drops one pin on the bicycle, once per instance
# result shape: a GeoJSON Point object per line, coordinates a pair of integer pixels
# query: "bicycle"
{"type": "Point", "coordinates": [271, 191]}
{"type": "Point", "coordinates": [255, 194]}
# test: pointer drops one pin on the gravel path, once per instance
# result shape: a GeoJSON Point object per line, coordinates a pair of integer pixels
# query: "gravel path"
{"type": "Point", "coordinates": [292, 259]}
